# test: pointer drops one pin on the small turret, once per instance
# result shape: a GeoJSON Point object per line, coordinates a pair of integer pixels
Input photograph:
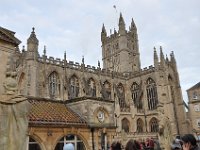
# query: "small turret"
{"type": "Point", "coordinates": [103, 34]}
{"type": "Point", "coordinates": [99, 64]}
{"type": "Point", "coordinates": [44, 51]}
{"type": "Point", "coordinates": [44, 54]}
{"type": "Point", "coordinates": [172, 57]}
{"type": "Point", "coordinates": [167, 60]}
{"type": "Point", "coordinates": [65, 59]}
{"type": "Point", "coordinates": [32, 45]}
{"type": "Point", "coordinates": [173, 60]}
{"type": "Point", "coordinates": [83, 60]}
{"type": "Point", "coordinates": [122, 29]}
{"type": "Point", "coordinates": [155, 58]}
{"type": "Point", "coordinates": [162, 58]}
{"type": "Point", "coordinates": [33, 39]}
{"type": "Point", "coordinates": [133, 26]}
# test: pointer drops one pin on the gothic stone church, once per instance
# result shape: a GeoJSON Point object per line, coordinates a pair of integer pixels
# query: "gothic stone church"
{"type": "Point", "coordinates": [93, 106]}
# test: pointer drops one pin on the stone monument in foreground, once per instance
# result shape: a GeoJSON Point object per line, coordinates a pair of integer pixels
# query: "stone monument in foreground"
{"type": "Point", "coordinates": [13, 116]}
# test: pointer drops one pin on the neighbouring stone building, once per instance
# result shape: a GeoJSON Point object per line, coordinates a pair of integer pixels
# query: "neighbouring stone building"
{"type": "Point", "coordinates": [92, 106]}
{"type": "Point", "coordinates": [194, 109]}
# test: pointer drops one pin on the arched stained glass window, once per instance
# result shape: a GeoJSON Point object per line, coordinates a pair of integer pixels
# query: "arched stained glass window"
{"type": "Point", "coordinates": [92, 87]}
{"type": "Point", "coordinates": [152, 97]}
{"type": "Point", "coordinates": [73, 87]}
{"type": "Point", "coordinates": [53, 84]}
{"type": "Point", "coordinates": [153, 125]}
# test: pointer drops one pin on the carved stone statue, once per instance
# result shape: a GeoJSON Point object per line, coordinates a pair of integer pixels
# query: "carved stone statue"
{"type": "Point", "coordinates": [10, 83]}
{"type": "Point", "coordinates": [85, 87]}
{"type": "Point", "coordinates": [121, 96]}
{"type": "Point", "coordinates": [13, 116]}
{"type": "Point", "coordinates": [104, 92]}
{"type": "Point", "coordinates": [165, 136]}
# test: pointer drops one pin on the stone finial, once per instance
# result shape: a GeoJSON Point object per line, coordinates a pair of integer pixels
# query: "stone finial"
{"type": "Point", "coordinates": [44, 51]}
{"type": "Point", "coordinates": [98, 63]}
{"type": "Point", "coordinates": [103, 29]}
{"type": "Point", "coordinates": [172, 58]}
{"type": "Point", "coordinates": [65, 55]}
{"type": "Point", "coordinates": [167, 59]}
{"type": "Point", "coordinates": [103, 34]}
{"type": "Point", "coordinates": [155, 58]}
{"type": "Point", "coordinates": [162, 57]}
{"type": "Point", "coordinates": [23, 48]}
{"type": "Point", "coordinates": [121, 24]}
{"type": "Point", "coordinates": [83, 60]}
{"type": "Point", "coordinates": [133, 26]}
{"type": "Point", "coordinates": [33, 39]}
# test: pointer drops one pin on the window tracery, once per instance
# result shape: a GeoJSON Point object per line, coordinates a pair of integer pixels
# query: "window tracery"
{"type": "Point", "coordinates": [92, 88]}
{"type": "Point", "coordinates": [152, 97]}
{"type": "Point", "coordinates": [73, 87]}
{"type": "Point", "coordinates": [53, 84]}
{"type": "Point", "coordinates": [154, 125]}
{"type": "Point", "coordinates": [136, 95]}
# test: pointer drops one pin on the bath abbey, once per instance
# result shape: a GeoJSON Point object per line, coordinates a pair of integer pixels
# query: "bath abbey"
{"type": "Point", "coordinates": [47, 102]}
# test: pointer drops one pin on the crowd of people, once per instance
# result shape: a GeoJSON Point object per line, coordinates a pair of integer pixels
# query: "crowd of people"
{"type": "Point", "coordinates": [186, 142]}
{"type": "Point", "coordinates": [149, 144]}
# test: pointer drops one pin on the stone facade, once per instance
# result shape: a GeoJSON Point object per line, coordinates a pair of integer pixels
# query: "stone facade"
{"type": "Point", "coordinates": [194, 109]}
{"type": "Point", "coordinates": [120, 101]}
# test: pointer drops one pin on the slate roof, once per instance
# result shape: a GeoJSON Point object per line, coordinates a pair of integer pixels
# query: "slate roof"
{"type": "Point", "coordinates": [53, 113]}
{"type": "Point", "coordinates": [9, 36]}
{"type": "Point", "coordinates": [194, 87]}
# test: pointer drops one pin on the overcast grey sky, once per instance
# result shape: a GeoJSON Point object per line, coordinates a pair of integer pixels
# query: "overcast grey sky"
{"type": "Point", "coordinates": [74, 26]}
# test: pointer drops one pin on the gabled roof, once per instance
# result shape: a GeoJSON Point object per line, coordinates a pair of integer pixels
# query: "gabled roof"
{"type": "Point", "coordinates": [8, 36]}
{"type": "Point", "coordinates": [52, 113]}
{"type": "Point", "coordinates": [194, 87]}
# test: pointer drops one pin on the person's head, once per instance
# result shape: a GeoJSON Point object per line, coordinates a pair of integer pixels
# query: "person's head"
{"type": "Point", "coordinates": [176, 145]}
{"type": "Point", "coordinates": [189, 141]}
{"type": "Point", "coordinates": [116, 146]}
{"type": "Point", "coordinates": [68, 146]}
{"type": "Point", "coordinates": [132, 145]}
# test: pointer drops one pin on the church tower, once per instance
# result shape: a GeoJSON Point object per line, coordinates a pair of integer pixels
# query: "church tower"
{"type": "Point", "coordinates": [120, 50]}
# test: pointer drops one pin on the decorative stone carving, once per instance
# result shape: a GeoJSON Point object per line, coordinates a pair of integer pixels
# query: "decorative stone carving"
{"type": "Point", "coordinates": [10, 83]}
{"type": "Point", "coordinates": [105, 92]}
{"type": "Point", "coordinates": [13, 116]}
{"type": "Point", "coordinates": [164, 129]}
{"type": "Point", "coordinates": [121, 96]}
